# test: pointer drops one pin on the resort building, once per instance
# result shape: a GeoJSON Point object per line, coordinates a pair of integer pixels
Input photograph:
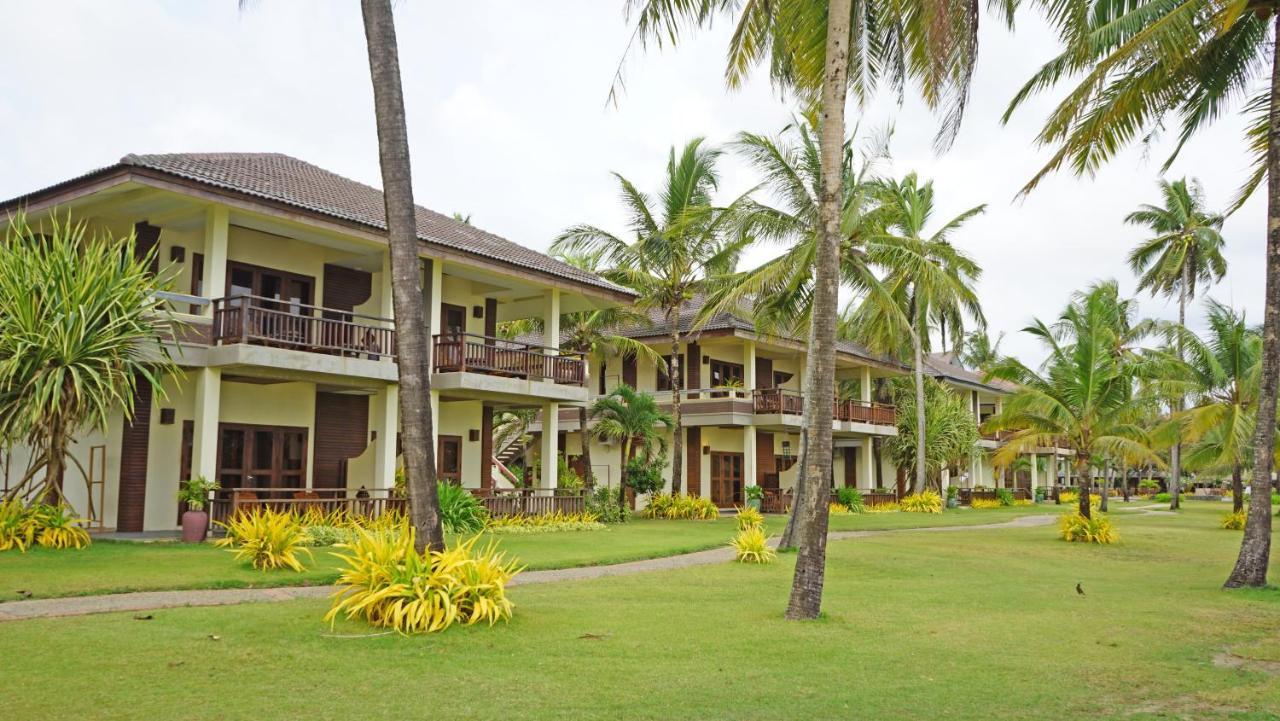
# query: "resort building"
{"type": "Point", "coordinates": [287, 345]}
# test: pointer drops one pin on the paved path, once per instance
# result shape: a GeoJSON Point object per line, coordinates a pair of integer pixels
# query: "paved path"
{"type": "Point", "coordinates": [151, 600]}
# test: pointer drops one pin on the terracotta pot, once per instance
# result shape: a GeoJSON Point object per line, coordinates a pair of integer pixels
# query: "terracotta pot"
{"type": "Point", "coordinates": [195, 524]}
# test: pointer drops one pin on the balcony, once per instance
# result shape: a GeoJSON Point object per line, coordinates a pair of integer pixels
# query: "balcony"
{"type": "Point", "coordinates": [478, 367]}
{"type": "Point", "coordinates": [263, 321]}
{"type": "Point", "coordinates": [784, 402]}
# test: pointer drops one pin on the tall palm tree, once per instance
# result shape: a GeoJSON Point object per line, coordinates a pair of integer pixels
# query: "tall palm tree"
{"type": "Point", "coordinates": [1082, 396]}
{"type": "Point", "coordinates": [1220, 373]}
{"type": "Point", "coordinates": [1185, 251]}
{"type": "Point", "coordinates": [819, 50]}
{"type": "Point", "coordinates": [632, 418]}
{"type": "Point", "coordinates": [1140, 67]}
{"type": "Point", "coordinates": [412, 330]}
{"type": "Point", "coordinates": [977, 352]}
{"type": "Point", "coordinates": [680, 240]}
{"type": "Point", "coordinates": [934, 289]}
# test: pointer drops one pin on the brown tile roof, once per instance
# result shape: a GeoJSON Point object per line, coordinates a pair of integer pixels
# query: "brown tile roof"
{"type": "Point", "coordinates": [288, 180]}
{"type": "Point", "coordinates": [946, 367]}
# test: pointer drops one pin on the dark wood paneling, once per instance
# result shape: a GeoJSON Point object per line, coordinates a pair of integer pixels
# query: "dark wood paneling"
{"type": "Point", "coordinates": [486, 446]}
{"type": "Point", "coordinates": [629, 371]}
{"type": "Point", "coordinates": [850, 467]}
{"type": "Point", "coordinates": [693, 460]}
{"type": "Point", "coordinates": [764, 373]}
{"type": "Point", "coordinates": [342, 433]}
{"type": "Point", "coordinates": [491, 317]}
{"type": "Point", "coordinates": [766, 462]}
{"type": "Point", "coordinates": [135, 442]}
{"type": "Point", "coordinates": [346, 288]}
{"type": "Point", "coordinates": [693, 368]}
{"type": "Point", "coordinates": [146, 238]}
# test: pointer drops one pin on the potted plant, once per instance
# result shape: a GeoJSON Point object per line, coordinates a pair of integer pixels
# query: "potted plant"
{"type": "Point", "coordinates": [1040, 493]}
{"type": "Point", "coordinates": [755, 496]}
{"type": "Point", "coordinates": [953, 500]}
{"type": "Point", "coordinates": [195, 521]}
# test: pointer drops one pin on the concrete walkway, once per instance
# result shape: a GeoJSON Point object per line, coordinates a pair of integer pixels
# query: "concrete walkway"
{"type": "Point", "coordinates": [151, 600]}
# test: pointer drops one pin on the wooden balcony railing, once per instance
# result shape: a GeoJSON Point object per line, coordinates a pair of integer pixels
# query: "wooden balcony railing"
{"type": "Point", "coordinates": [530, 501]}
{"type": "Point", "coordinates": [777, 400]}
{"type": "Point", "coordinates": [779, 501]}
{"type": "Point", "coordinates": [280, 323]}
{"type": "Point", "coordinates": [470, 353]}
{"type": "Point", "coordinates": [225, 503]}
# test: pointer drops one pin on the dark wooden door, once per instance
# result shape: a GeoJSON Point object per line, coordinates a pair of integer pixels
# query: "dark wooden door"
{"type": "Point", "coordinates": [726, 479]}
{"type": "Point", "coordinates": [262, 456]}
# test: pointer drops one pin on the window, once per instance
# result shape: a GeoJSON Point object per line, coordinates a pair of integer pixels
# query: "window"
{"type": "Point", "coordinates": [453, 319]}
{"type": "Point", "coordinates": [197, 279]}
{"type": "Point", "coordinates": [664, 380]}
{"type": "Point", "coordinates": [449, 458]}
{"type": "Point", "coordinates": [725, 374]}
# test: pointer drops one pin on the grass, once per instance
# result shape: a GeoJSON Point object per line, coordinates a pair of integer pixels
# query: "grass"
{"type": "Point", "coordinates": [118, 566]}
{"type": "Point", "coordinates": [975, 625]}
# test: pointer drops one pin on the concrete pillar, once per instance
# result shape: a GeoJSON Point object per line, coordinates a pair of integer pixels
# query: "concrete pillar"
{"type": "Point", "coordinates": [867, 465]}
{"type": "Point", "coordinates": [944, 479]}
{"type": "Point", "coordinates": [216, 225]}
{"type": "Point", "coordinates": [550, 443]}
{"type": "Point", "coordinates": [1035, 473]}
{"type": "Point", "coordinates": [551, 319]}
{"type": "Point", "coordinates": [204, 441]}
{"type": "Point", "coordinates": [386, 424]}
{"type": "Point", "coordinates": [864, 384]}
{"type": "Point", "coordinates": [749, 366]}
{"type": "Point", "coordinates": [748, 457]}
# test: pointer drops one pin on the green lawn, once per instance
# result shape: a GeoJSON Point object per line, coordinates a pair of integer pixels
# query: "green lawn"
{"type": "Point", "coordinates": [976, 624]}
{"type": "Point", "coordinates": [111, 567]}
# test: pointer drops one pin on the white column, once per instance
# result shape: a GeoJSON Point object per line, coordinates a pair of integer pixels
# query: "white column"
{"type": "Point", "coordinates": [749, 366]}
{"type": "Point", "coordinates": [204, 441]}
{"type": "Point", "coordinates": [386, 423]}
{"type": "Point", "coordinates": [864, 384]}
{"type": "Point", "coordinates": [216, 225]}
{"type": "Point", "coordinates": [748, 458]}
{"type": "Point", "coordinates": [1035, 473]}
{"type": "Point", "coordinates": [867, 461]}
{"type": "Point", "coordinates": [550, 442]}
{"type": "Point", "coordinates": [551, 319]}
{"type": "Point", "coordinates": [944, 480]}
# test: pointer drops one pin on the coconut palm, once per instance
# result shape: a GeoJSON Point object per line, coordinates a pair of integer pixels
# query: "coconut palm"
{"type": "Point", "coordinates": [679, 240]}
{"type": "Point", "coordinates": [977, 352]}
{"type": "Point", "coordinates": [632, 418]}
{"type": "Point", "coordinates": [950, 431]}
{"type": "Point", "coordinates": [932, 286]}
{"type": "Point", "coordinates": [1082, 397]}
{"type": "Point", "coordinates": [1220, 373]}
{"type": "Point", "coordinates": [819, 50]}
{"type": "Point", "coordinates": [412, 331]}
{"type": "Point", "coordinates": [1185, 252]}
{"type": "Point", "coordinates": [81, 335]}
{"type": "Point", "coordinates": [1138, 68]}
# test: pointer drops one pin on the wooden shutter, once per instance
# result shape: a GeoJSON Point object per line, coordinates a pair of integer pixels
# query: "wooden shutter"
{"type": "Point", "coordinates": [850, 467]}
{"type": "Point", "coordinates": [764, 373]}
{"type": "Point", "coordinates": [766, 461]}
{"type": "Point", "coordinates": [629, 371]}
{"type": "Point", "coordinates": [693, 368]}
{"type": "Point", "coordinates": [135, 442]}
{"type": "Point", "coordinates": [486, 445]}
{"type": "Point", "coordinates": [146, 238]}
{"type": "Point", "coordinates": [693, 461]}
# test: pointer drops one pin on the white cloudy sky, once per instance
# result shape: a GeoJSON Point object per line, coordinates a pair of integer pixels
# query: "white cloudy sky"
{"type": "Point", "coordinates": [508, 122]}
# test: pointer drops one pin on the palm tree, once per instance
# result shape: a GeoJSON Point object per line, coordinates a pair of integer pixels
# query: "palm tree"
{"type": "Point", "coordinates": [680, 240]}
{"type": "Point", "coordinates": [1138, 68]}
{"type": "Point", "coordinates": [1186, 251]}
{"type": "Point", "coordinates": [950, 434]}
{"type": "Point", "coordinates": [81, 334]}
{"type": "Point", "coordinates": [819, 50]}
{"type": "Point", "coordinates": [412, 330]}
{"type": "Point", "coordinates": [1221, 374]}
{"type": "Point", "coordinates": [632, 418]}
{"type": "Point", "coordinates": [977, 352]}
{"type": "Point", "coordinates": [934, 286]}
{"type": "Point", "coordinates": [1082, 396]}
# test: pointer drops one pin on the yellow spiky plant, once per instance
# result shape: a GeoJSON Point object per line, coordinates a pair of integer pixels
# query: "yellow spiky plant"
{"type": "Point", "coordinates": [752, 546]}
{"type": "Point", "coordinates": [267, 539]}
{"type": "Point", "coordinates": [749, 517]}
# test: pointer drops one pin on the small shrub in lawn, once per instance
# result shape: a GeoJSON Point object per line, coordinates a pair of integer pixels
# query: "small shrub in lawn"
{"type": "Point", "coordinates": [985, 503]}
{"type": "Point", "coordinates": [836, 508]}
{"type": "Point", "coordinates": [1098, 529]}
{"type": "Point", "coordinates": [460, 511]}
{"type": "Point", "coordinates": [603, 502]}
{"type": "Point", "coordinates": [749, 517]}
{"type": "Point", "coordinates": [851, 498]}
{"type": "Point", "coordinates": [266, 538]}
{"type": "Point", "coordinates": [1004, 496]}
{"type": "Point", "coordinates": [16, 529]}
{"type": "Point", "coordinates": [884, 508]}
{"type": "Point", "coordinates": [752, 546]}
{"type": "Point", "coordinates": [1234, 521]}
{"type": "Point", "coordinates": [680, 507]}
{"type": "Point", "coordinates": [322, 535]}
{"type": "Point", "coordinates": [389, 585]}
{"type": "Point", "coordinates": [1068, 497]}
{"type": "Point", "coordinates": [556, 522]}
{"type": "Point", "coordinates": [42, 525]}
{"type": "Point", "coordinates": [925, 502]}
{"type": "Point", "coordinates": [1161, 498]}
{"type": "Point", "coordinates": [1024, 502]}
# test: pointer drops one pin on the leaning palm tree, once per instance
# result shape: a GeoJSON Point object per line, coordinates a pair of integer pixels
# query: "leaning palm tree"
{"type": "Point", "coordinates": [81, 334]}
{"type": "Point", "coordinates": [679, 240]}
{"type": "Point", "coordinates": [632, 418]}
{"type": "Point", "coordinates": [1141, 67]}
{"type": "Point", "coordinates": [412, 331]}
{"type": "Point", "coordinates": [1082, 396]}
{"type": "Point", "coordinates": [1220, 373]}
{"type": "Point", "coordinates": [819, 50]}
{"type": "Point", "coordinates": [1185, 252]}
{"type": "Point", "coordinates": [934, 288]}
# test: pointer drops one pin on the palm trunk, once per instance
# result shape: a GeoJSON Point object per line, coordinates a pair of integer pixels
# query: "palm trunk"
{"type": "Point", "coordinates": [1237, 488]}
{"type": "Point", "coordinates": [796, 519]}
{"type": "Point", "coordinates": [584, 432]}
{"type": "Point", "coordinates": [819, 400]}
{"type": "Point", "coordinates": [622, 478]}
{"type": "Point", "coordinates": [1255, 549]}
{"type": "Point", "coordinates": [677, 432]}
{"type": "Point", "coordinates": [1124, 482]}
{"type": "Point", "coordinates": [1175, 454]}
{"type": "Point", "coordinates": [1084, 477]}
{"type": "Point", "coordinates": [412, 331]}
{"type": "Point", "coordinates": [918, 343]}
{"type": "Point", "coordinates": [1106, 487]}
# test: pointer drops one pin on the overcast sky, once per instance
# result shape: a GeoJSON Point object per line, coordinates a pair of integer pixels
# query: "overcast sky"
{"type": "Point", "coordinates": [508, 122]}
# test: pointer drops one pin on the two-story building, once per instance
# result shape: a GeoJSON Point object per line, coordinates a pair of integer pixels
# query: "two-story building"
{"type": "Point", "coordinates": [288, 346]}
{"type": "Point", "coordinates": [741, 406]}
